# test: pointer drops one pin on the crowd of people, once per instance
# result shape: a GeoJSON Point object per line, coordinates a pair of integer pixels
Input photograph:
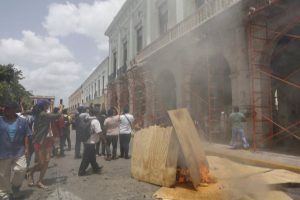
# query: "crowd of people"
{"type": "Point", "coordinates": [100, 132]}
{"type": "Point", "coordinates": [46, 134]}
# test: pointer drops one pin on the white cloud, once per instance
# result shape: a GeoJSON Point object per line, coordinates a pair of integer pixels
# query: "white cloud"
{"type": "Point", "coordinates": [48, 66]}
{"type": "Point", "coordinates": [85, 19]}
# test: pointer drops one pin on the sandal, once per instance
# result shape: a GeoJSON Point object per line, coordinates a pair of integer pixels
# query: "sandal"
{"type": "Point", "coordinates": [41, 185]}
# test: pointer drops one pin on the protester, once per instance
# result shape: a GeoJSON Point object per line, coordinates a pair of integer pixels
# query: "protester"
{"type": "Point", "coordinates": [126, 127]}
{"type": "Point", "coordinates": [66, 129]}
{"type": "Point", "coordinates": [89, 153]}
{"type": "Point", "coordinates": [30, 120]}
{"type": "Point", "coordinates": [58, 136]}
{"type": "Point", "coordinates": [42, 140]}
{"type": "Point", "coordinates": [101, 145]}
{"type": "Point", "coordinates": [14, 133]}
{"type": "Point", "coordinates": [79, 133]}
{"type": "Point", "coordinates": [236, 118]}
{"type": "Point", "coordinates": [112, 124]}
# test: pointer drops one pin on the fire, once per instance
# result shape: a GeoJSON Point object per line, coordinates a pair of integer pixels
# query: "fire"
{"type": "Point", "coordinates": [205, 176]}
{"type": "Point", "coordinates": [183, 176]}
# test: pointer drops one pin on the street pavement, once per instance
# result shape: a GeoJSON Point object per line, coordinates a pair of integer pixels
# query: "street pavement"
{"type": "Point", "coordinates": [114, 183]}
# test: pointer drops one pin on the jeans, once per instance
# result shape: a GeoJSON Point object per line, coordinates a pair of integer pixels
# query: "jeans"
{"type": "Point", "coordinates": [18, 167]}
{"type": "Point", "coordinates": [88, 157]}
{"type": "Point", "coordinates": [241, 133]}
{"type": "Point", "coordinates": [124, 144]}
{"type": "Point", "coordinates": [111, 139]}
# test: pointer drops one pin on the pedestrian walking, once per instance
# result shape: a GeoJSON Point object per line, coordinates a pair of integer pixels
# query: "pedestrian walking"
{"type": "Point", "coordinates": [94, 133]}
{"type": "Point", "coordinates": [236, 118]}
{"type": "Point", "coordinates": [14, 133]}
{"type": "Point", "coordinates": [42, 140]}
{"type": "Point", "coordinates": [126, 128]}
{"type": "Point", "coordinates": [112, 124]}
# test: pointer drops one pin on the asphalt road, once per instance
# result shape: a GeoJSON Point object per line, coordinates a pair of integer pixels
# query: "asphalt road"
{"type": "Point", "coordinates": [114, 183]}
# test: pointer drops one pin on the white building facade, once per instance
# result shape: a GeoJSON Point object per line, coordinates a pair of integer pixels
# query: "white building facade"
{"type": "Point", "coordinates": [93, 89]}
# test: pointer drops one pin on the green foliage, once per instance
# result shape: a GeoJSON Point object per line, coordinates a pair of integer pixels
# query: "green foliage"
{"type": "Point", "coordinates": [10, 88]}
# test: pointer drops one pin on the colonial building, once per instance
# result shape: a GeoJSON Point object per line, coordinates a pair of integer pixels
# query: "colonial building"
{"type": "Point", "coordinates": [93, 89]}
{"type": "Point", "coordinates": [208, 56]}
{"type": "Point", "coordinates": [37, 98]}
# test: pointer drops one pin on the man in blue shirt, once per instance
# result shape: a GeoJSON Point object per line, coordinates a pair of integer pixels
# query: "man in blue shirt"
{"type": "Point", "coordinates": [14, 132]}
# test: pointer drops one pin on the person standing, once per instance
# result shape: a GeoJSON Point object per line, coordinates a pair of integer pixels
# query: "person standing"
{"type": "Point", "coordinates": [112, 124]}
{"type": "Point", "coordinates": [79, 133]}
{"type": "Point", "coordinates": [89, 153]}
{"type": "Point", "coordinates": [126, 126]}
{"type": "Point", "coordinates": [14, 147]}
{"type": "Point", "coordinates": [236, 118]}
{"type": "Point", "coordinates": [66, 129]}
{"type": "Point", "coordinates": [42, 140]}
{"type": "Point", "coordinates": [101, 144]}
{"type": "Point", "coordinates": [58, 136]}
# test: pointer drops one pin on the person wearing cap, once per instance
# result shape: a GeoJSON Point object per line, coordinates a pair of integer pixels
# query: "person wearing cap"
{"type": "Point", "coordinates": [14, 133]}
{"type": "Point", "coordinates": [42, 140]}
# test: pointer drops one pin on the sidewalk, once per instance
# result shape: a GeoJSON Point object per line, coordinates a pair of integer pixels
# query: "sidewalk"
{"type": "Point", "coordinates": [257, 158]}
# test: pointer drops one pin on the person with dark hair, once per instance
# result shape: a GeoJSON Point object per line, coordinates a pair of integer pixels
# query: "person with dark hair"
{"type": "Point", "coordinates": [112, 123]}
{"type": "Point", "coordinates": [58, 136]}
{"type": "Point", "coordinates": [126, 126]}
{"type": "Point", "coordinates": [236, 118]}
{"type": "Point", "coordinates": [101, 144]}
{"type": "Point", "coordinates": [42, 140]}
{"type": "Point", "coordinates": [79, 134]}
{"type": "Point", "coordinates": [89, 152]}
{"type": "Point", "coordinates": [14, 147]}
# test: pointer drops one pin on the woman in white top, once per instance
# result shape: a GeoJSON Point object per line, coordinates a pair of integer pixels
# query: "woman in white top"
{"type": "Point", "coordinates": [126, 122]}
{"type": "Point", "coordinates": [112, 123]}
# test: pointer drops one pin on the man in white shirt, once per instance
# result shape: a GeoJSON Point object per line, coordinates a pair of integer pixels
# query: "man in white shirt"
{"type": "Point", "coordinates": [89, 152]}
{"type": "Point", "coordinates": [126, 121]}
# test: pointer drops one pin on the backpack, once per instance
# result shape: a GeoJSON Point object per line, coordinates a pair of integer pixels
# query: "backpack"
{"type": "Point", "coordinates": [84, 127]}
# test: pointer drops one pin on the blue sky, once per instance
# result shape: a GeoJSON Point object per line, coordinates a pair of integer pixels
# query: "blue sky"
{"type": "Point", "coordinates": [55, 43]}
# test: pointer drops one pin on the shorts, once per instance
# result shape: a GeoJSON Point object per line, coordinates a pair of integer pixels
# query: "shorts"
{"type": "Point", "coordinates": [44, 150]}
{"type": "Point", "coordinates": [48, 143]}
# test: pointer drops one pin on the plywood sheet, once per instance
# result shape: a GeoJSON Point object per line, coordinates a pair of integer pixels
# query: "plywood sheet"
{"type": "Point", "coordinates": [190, 143]}
{"type": "Point", "coordinates": [235, 181]}
{"type": "Point", "coordinates": [154, 156]}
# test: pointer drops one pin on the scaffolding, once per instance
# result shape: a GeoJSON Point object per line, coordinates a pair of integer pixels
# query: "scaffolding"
{"type": "Point", "coordinates": [261, 37]}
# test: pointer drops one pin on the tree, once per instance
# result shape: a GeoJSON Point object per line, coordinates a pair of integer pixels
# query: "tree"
{"type": "Point", "coordinates": [10, 88]}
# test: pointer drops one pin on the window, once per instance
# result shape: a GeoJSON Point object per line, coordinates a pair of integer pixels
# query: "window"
{"type": "Point", "coordinates": [199, 3]}
{"type": "Point", "coordinates": [114, 64]}
{"type": "Point", "coordinates": [124, 53]}
{"type": "Point", "coordinates": [163, 18]}
{"type": "Point", "coordinates": [139, 39]}
{"type": "Point", "coordinates": [99, 86]}
{"type": "Point", "coordinates": [103, 84]}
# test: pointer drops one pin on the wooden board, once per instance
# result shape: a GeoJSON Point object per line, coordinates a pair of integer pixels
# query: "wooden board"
{"type": "Point", "coordinates": [190, 143]}
{"type": "Point", "coordinates": [154, 156]}
{"type": "Point", "coordinates": [235, 181]}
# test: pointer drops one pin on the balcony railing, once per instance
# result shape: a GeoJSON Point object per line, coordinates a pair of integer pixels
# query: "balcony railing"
{"type": "Point", "coordinates": [207, 11]}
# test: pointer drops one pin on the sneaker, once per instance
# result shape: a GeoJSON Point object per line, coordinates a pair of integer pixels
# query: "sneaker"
{"type": "Point", "coordinates": [121, 156]}
{"type": "Point", "coordinates": [108, 158]}
{"type": "Point", "coordinates": [127, 157]}
{"type": "Point", "coordinates": [98, 170]}
{"type": "Point", "coordinates": [82, 173]}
